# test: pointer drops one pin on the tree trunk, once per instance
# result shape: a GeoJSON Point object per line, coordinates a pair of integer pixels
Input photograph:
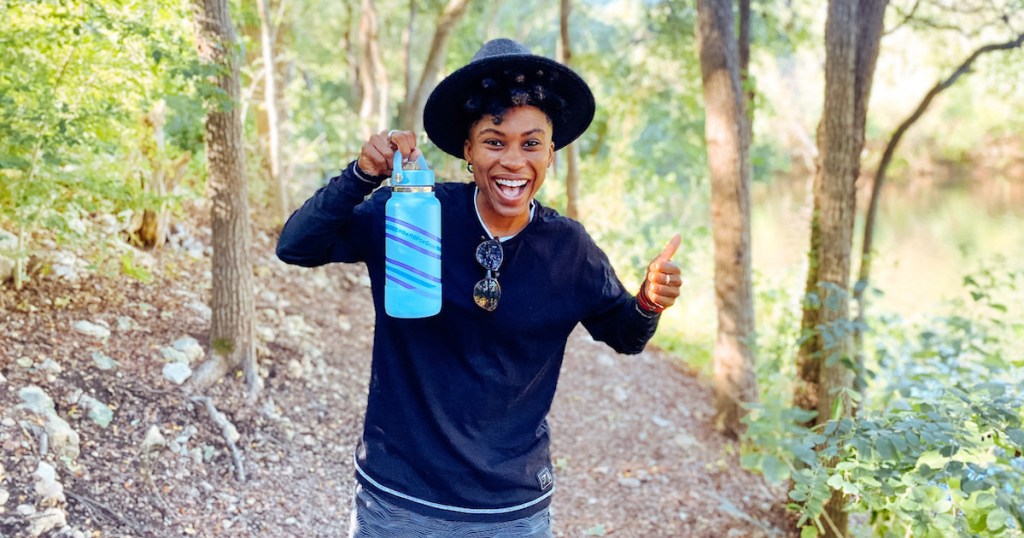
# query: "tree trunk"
{"type": "Point", "coordinates": [572, 174]}
{"type": "Point", "coordinates": [366, 68]}
{"type": "Point", "coordinates": [407, 77]}
{"type": "Point", "coordinates": [231, 332]}
{"type": "Point", "coordinates": [278, 190]}
{"type": "Point", "coordinates": [729, 163]}
{"type": "Point", "coordinates": [852, 34]}
{"type": "Point", "coordinates": [412, 113]}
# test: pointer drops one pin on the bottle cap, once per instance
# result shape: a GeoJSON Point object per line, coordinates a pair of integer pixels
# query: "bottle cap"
{"type": "Point", "coordinates": [423, 177]}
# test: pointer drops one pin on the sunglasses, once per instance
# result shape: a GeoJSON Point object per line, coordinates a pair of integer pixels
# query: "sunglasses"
{"type": "Point", "coordinates": [487, 291]}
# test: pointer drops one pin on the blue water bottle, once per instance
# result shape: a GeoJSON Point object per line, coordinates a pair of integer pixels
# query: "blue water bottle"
{"type": "Point", "coordinates": [412, 244]}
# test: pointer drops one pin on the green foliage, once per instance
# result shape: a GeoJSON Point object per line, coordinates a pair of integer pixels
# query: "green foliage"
{"type": "Point", "coordinates": [73, 79]}
{"type": "Point", "coordinates": [938, 446]}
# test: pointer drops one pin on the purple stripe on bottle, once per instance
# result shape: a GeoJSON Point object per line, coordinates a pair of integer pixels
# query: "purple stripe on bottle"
{"type": "Point", "coordinates": [413, 246]}
{"type": "Point", "coordinates": [412, 227]}
{"type": "Point", "coordinates": [425, 293]}
{"type": "Point", "coordinates": [400, 282]}
{"type": "Point", "coordinates": [412, 269]}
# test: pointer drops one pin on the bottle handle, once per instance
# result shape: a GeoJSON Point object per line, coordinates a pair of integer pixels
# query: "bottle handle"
{"type": "Point", "coordinates": [420, 161]}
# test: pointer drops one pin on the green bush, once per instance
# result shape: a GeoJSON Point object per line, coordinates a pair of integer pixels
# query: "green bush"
{"type": "Point", "coordinates": [937, 447]}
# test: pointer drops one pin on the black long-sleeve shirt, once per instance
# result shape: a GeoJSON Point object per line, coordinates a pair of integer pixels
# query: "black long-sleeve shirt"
{"type": "Point", "coordinates": [456, 415]}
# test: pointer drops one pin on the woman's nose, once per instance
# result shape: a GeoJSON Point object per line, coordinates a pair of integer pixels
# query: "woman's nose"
{"type": "Point", "coordinates": [513, 159]}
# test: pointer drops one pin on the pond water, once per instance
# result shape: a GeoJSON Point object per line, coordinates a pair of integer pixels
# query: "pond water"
{"type": "Point", "coordinates": [927, 238]}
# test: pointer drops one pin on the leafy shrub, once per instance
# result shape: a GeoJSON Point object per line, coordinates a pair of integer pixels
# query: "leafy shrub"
{"type": "Point", "coordinates": [937, 448]}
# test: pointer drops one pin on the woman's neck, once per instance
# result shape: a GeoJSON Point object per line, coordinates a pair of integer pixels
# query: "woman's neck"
{"type": "Point", "coordinates": [497, 225]}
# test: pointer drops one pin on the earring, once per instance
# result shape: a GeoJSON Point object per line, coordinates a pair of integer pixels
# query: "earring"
{"type": "Point", "coordinates": [469, 167]}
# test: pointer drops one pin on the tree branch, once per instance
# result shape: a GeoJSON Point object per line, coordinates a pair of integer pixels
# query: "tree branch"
{"type": "Point", "coordinates": [890, 149]}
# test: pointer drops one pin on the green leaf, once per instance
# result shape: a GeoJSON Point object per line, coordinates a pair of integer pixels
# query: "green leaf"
{"type": "Point", "coordinates": [774, 470]}
{"type": "Point", "coordinates": [836, 481]}
{"type": "Point", "coordinates": [970, 486]}
{"type": "Point", "coordinates": [996, 519]}
{"type": "Point", "coordinates": [809, 531]}
{"type": "Point", "coordinates": [1017, 436]}
{"type": "Point", "coordinates": [885, 449]}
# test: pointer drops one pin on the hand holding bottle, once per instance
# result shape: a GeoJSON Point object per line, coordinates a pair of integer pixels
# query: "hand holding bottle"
{"type": "Point", "coordinates": [378, 152]}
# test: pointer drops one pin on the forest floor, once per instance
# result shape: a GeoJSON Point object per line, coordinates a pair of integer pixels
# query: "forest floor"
{"type": "Point", "coordinates": [634, 446]}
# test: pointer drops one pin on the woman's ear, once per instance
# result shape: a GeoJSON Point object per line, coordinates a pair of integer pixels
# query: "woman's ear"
{"type": "Point", "coordinates": [465, 151]}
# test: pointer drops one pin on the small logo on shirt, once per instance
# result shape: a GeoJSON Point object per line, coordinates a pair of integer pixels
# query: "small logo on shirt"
{"type": "Point", "coordinates": [545, 478]}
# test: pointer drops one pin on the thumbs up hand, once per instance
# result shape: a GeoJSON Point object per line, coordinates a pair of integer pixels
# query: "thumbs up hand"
{"type": "Point", "coordinates": [664, 280]}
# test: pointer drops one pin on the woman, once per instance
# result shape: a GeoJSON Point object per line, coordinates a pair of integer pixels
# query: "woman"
{"type": "Point", "coordinates": [455, 440]}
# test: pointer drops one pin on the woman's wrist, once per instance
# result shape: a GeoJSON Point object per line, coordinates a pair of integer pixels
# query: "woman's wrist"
{"type": "Point", "coordinates": [366, 176]}
{"type": "Point", "coordinates": [645, 302]}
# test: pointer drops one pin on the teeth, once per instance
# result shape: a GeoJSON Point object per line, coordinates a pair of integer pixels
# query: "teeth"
{"type": "Point", "coordinates": [511, 183]}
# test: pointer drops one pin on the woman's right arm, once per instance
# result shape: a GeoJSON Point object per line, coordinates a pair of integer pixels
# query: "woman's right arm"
{"type": "Point", "coordinates": [331, 225]}
{"type": "Point", "coordinates": [334, 224]}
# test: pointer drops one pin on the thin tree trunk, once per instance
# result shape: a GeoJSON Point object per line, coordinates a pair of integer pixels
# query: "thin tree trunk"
{"type": "Point", "coordinates": [867, 245]}
{"type": "Point", "coordinates": [367, 75]}
{"type": "Point", "coordinates": [729, 163]}
{"type": "Point", "coordinates": [572, 174]}
{"type": "Point", "coordinates": [407, 76]}
{"type": "Point", "coordinates": [231, 331]}
{"type": "Point", "coordinates": [278, 191]}
{"type": "Point", "coordinates": [412, 114]}
{"type": "Point", "coordinates": [852, 34]}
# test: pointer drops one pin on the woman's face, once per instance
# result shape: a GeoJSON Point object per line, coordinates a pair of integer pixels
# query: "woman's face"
{"type": "Point", "coordinates": [510, 156]}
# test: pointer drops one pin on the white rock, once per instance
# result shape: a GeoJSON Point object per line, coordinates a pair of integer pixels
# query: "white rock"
{"type": "Point", "coordinates": [91, 329]}
{"type": "Point", "coordinates": [295, 369]}
{"type": "Point", "coordinates": [177, 372]}
{"type": "Point", "coordinates": [8, 246]}
{"type": "Point", "coordinates": [4, 496]}
{"type": "Point", "coordinates": [49, 519]}
{"type": "Point", "coordinates": [190, 347]}
{"type": "Point", "coordinates": [99, 412]}
{"type": "Point", "coordinates": [202, 309]}
{"type": "Point", "coordinates": [66, 265]}
{"type": "Point", "coordinates": [36, 400]}
{"type": "Point", "coordinates": [103, 361]}
{"type": "Point", "coordinates": [344, 325]}
{"type": "Point", "coordinates": [63, 439]}
{"type": "Point", "coordinates": [153, 439]}
{"type": "Point", "coordinates": [2, 378]}
{"type": "Point", "coordinates": [25, 509]}
{"type": "Point", "coordinates": [266, 334]}
{"type": "Point", "coordinates": [629, 482]}
{"type": "Point", "coordinates": [125, 323]}
{"type": "Point", "coordinates": [171, 354]}
{"type": "Point", "coordinates": [49, 490]}
{"type": "Point", "coordinates": [51, 366]}
{"type": "Point", "coordinates": [661, 422]}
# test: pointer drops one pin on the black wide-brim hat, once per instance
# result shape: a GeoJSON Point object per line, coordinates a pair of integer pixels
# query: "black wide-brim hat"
{"type": "Point", "coordinates": [445, 117]}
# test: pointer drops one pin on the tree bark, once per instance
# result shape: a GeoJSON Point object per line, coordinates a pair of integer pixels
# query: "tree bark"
{"type": "Point", "coordinates": [412, 108]}
{"type": "Point", "coordinates": [279, 204]}
{"type": "Point", "coordinates": [867, 244]}
{"type": "Point", "coordinates": [572, 174]}
{"type": "Point", "coordinates": [825, 363]}
{"type": "Point", "coordinates": [729, 163]}
{"type": "Point", "coordinates": [231, 332]}
{"type": "Point", "coordinates": [368, 95]}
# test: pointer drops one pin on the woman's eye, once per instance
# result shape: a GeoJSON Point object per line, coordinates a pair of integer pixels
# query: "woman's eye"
{"type": "Point", "coordinates": [531, 143]}
{"type": "Point", "coordinates": [492, 142]}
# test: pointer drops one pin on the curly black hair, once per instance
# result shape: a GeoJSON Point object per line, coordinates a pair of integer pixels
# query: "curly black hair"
{"type": "Point", "coordinates": [507, 89]}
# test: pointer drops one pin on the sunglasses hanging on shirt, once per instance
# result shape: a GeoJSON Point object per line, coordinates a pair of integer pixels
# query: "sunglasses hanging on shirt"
{"type": "Point", "coordinates": [487, 291]}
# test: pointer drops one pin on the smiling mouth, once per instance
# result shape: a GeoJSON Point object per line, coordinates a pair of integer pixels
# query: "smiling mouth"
{"type": "Point", "coordinates": [511, 188]}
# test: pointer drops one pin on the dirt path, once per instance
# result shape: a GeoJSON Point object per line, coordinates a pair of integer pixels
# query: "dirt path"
{"type": "Point", "coordinates": [635, 452]}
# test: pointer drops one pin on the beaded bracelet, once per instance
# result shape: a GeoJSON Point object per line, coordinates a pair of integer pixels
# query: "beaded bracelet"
{"type": "Point", "coordinates": [646, 303]}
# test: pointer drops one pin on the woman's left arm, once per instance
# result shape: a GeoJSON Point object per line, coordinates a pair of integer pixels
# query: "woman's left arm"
{"type": "Point", "coordinates": [627, 323]}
